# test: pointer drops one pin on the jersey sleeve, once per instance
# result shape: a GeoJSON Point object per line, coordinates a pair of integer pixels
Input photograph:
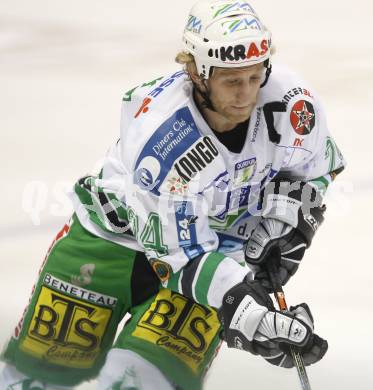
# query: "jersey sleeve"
{"type": "Point", "coordinates": [312, 154]}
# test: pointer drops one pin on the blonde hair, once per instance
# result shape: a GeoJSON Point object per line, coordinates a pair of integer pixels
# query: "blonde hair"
{"type": "Point", "coordinates": [188, 62]}
{"type": "Point", "coordinates": [184, 58]}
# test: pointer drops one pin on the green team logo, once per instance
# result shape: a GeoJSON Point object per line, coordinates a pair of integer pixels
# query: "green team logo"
{"type": "Point", "coordinates": [331, 153]}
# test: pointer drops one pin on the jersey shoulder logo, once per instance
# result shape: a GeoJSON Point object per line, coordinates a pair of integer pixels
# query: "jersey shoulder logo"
{"type": "Point", "coordinates": [302, 117]}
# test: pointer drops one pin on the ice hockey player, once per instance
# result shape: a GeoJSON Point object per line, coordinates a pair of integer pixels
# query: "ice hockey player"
{"type": "Point", "coordinates": [220, 165]}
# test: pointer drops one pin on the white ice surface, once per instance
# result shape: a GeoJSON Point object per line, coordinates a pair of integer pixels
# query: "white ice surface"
{"type": "Point", "coordinates": [64, 66]}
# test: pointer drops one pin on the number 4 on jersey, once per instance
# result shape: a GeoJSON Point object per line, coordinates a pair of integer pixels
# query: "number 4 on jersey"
{"type": "Point", "coordinates": [151, 236]}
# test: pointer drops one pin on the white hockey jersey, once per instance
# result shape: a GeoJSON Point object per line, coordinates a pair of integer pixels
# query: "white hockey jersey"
{"type": "Point", "coordinates": [170, 188]}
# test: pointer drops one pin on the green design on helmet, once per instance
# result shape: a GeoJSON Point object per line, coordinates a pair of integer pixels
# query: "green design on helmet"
{"type": "Point", "coordinates": [225, 33]}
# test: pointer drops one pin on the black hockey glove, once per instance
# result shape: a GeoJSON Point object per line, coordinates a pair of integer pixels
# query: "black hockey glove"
{"type": "Point", "coordinates": [251, 323]}
{"type": "Point", "coordinates": [292, 214]}
{"type": "Point", "coordinates": [278, 353]}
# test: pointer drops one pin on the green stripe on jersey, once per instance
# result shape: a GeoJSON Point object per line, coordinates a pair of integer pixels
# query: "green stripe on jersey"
{"type": "Point", "coordinates": [322, 183]}
{"type": "Point", "coordinates": [204, 277]}
{"type": "Point", "coordinates": [108, 213]}
{"type": "Point", "coordinates": [173, 282]}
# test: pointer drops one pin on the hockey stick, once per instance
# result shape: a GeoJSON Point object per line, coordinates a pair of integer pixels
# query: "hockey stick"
{"type": "Point", "coordinates": [280, 298]}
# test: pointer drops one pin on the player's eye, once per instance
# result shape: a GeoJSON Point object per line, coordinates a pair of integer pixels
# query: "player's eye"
{"type": "Point", "coordinates": [232, 81]}
{"type": "Point", "coordinates": [255, 79]}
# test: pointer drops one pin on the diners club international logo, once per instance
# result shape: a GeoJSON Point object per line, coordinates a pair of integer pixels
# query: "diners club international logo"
{"type": "Point", "coordinates": [302, 117]}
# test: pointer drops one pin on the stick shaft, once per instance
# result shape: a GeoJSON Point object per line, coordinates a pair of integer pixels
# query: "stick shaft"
{"type": "Point", "coordinates": [280, 298]}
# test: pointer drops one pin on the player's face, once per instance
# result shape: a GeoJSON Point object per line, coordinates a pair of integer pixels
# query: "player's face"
{"type": "Point", "coordinates": [233, 91]}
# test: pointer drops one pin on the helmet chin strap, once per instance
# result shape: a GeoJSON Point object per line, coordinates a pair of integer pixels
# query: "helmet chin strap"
{"type": "Point", "coordinates": [206, 102]}
{"type": "Point", "coordinates": [268, 67]}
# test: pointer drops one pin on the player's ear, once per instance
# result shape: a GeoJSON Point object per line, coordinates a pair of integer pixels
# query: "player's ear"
{"type": "Point", "coordinates": [191, 68]}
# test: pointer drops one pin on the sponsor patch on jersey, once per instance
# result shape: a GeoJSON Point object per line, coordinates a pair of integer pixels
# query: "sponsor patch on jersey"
{"type": "Point", "coordinates": [68, 324]}
{"type": "Point", "coordinates": [302, 117]}
{"type": "Point", "coordinates": [244, 171]}
{"type": "Point", "coordinates": [164, 147]}
{"type": "Point", "coordinates": [298, 142]}
{"type": "Point", "coordinates": [179, 326]}
{"type": "Point", "coordinates": [161, 268]}
{"type": "Point", "coordinates": [147, 173]}
{"type": "Point", "coordinates": [257, 124]}
{"type": "Point", "coordinates": [295, 93]}
{"type": "Point", "coordinates": [196, 159]}
{"type": "Point", "coordinates": [185, 223]}
{"type": "Point", "coordinates": [177, 185]}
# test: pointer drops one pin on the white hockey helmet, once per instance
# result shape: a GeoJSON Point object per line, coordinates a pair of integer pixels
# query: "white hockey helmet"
{"type": "Point", "coordinates": [225, 33]}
